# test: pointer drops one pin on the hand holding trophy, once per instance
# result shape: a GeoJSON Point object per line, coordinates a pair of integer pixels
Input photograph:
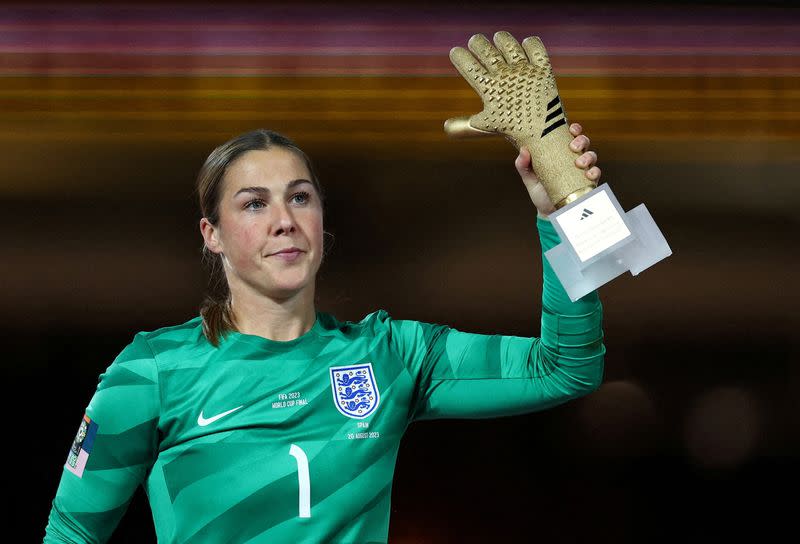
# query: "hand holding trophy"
{"type": "Point", "coordinates": [518, 89]}
{"type": "Point", "coordinates": [521, 102]}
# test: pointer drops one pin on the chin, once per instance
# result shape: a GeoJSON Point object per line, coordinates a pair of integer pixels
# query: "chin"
{"type": "Point", "coordinates": [284, 290]}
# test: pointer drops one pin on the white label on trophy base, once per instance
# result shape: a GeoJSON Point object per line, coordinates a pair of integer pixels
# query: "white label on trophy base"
{"type": "Point", "coordinates": [593, 226]}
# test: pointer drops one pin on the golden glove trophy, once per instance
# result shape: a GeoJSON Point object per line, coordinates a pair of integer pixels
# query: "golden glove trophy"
{"type": "Point", "coordinates": [520, 101]}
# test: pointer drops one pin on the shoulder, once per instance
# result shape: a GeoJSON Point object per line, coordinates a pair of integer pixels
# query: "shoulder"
{"type": "Point", "coordinates": [184, 332]}
{"type": "Point", "coordinates": [377, 323]}
{"type": "Point", "coordinates": [137, 363]}
{"type": "Point", "coordinates": [161, 343]}
{"type": "Point", "coordinates": [381, 323]}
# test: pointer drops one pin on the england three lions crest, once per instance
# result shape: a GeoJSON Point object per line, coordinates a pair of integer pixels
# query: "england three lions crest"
{"type": "Point", "coordinates": [355, 392]}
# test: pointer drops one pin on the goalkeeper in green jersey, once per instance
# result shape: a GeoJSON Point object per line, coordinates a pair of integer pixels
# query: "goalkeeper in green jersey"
{"type": "Point", "coordinates": [265, 420]}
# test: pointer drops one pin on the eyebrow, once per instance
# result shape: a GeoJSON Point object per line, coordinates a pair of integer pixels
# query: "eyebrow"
{"type": "Point", "coordinates": [264, 190]}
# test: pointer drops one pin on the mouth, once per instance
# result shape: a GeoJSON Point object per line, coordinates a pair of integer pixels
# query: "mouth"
{"type": "Point", "coordinates": [287, 253]}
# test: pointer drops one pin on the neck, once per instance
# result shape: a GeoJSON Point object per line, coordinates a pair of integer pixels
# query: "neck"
{"type": "Point", "coordinates": [275, 319]}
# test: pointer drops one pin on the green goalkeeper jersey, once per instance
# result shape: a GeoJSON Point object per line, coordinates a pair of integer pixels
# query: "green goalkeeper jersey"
{"type": "Point", "coordinates": [261, 441]}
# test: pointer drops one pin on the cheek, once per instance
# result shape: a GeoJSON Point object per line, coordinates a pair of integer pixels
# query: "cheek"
{"type": "Point", "coordinates": [316, 231]}
{"type": "Point", "coordinates": [239, 242]}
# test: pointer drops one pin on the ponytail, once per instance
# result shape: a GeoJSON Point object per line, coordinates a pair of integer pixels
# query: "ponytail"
{"type": "Point", "coordinates": [216, 312]}
{"type": "Point", "coordinates": [217, 319]}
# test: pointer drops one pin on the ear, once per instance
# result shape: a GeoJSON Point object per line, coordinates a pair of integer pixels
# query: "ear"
{"type": "Point", "coordinates": [210, 236]}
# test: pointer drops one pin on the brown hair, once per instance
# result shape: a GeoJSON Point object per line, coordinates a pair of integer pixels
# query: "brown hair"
{"type": "Point", "coordinates": [216, 308]}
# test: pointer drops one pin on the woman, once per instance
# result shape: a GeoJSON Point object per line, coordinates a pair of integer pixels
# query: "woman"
{"type": "Point", "coordinates": [264, 420]}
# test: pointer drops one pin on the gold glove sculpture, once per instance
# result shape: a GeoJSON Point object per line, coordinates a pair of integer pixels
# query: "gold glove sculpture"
{"type": "Point", "coordinates": [520, 101]}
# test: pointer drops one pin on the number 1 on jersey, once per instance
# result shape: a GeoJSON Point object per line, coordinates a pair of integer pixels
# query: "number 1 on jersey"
{"type": "Point", "coordinates": [303, 479]}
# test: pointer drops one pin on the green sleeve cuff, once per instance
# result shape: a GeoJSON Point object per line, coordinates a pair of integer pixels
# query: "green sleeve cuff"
{"type": "Point", "coordinates": [554, 297]}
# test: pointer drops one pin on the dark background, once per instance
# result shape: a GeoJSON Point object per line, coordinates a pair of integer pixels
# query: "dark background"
{"type": "Point", "coordinates": [692, 108]}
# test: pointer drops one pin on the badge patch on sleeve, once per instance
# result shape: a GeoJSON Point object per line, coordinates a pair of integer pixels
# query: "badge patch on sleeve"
{"type": "Point", "coordinates": [81, 447]}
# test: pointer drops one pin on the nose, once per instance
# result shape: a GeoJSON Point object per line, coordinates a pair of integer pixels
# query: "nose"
{"type": "Point", "coordinates": [284, 221]}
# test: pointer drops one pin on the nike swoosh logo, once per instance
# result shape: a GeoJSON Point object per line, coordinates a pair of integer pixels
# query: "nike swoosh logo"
{"type": "Point", "coordinates": [207, 421]}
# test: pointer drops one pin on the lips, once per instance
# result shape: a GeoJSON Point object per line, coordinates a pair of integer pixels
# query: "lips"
{"type": "Point", "coordinates": [288, 250]}
{"type": "Point", "coordinates": [289, 253]}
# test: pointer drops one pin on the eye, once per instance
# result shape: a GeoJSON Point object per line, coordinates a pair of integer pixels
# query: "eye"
{"type": "Point", "coordinates": [255, 204]}
{"type": "Point", "coordinates": [300, 198]}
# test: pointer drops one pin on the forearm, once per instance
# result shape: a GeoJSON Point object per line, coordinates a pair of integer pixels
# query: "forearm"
{"type": "Point", "coordinates": [571, 332]}
{"type": "Point", "coordinates": [62, 528]}
{"type": "Point", "coordinates": [477, 376]}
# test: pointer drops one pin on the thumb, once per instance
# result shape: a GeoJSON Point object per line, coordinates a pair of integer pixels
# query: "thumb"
{"type": "Point", "coordinates": [459, 127]}
{"type": "Point", "coordinates": [524, 166]}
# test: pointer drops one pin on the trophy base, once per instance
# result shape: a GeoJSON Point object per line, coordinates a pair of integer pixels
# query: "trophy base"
{"type": "Point", "coordinates": [600, 241]}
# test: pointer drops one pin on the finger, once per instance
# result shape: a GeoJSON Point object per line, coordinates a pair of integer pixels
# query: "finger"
{"type": "Point", "coordinates": [523, 162]}
{"type": "Point", "coordinates": [469, 68]}
{"type": "Point", "coordinates": [587, 160]}
{"type": "Point", "coordinates": [580, 143]}
{"type": "Point", "coordinates": [575, 129]}
{"type": "Point", "coordinates": [593, 173]}
{"type": "Point", "coordinates": [524, 166]}
{"type": "Point", "coordinates": [537, 54]}
{"type": "Point", "coordinates": [510, 48]}
{"type": "Point", "coordinates": [485, 52]}
{"type": "Point", "coordinates": [459, 127]}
